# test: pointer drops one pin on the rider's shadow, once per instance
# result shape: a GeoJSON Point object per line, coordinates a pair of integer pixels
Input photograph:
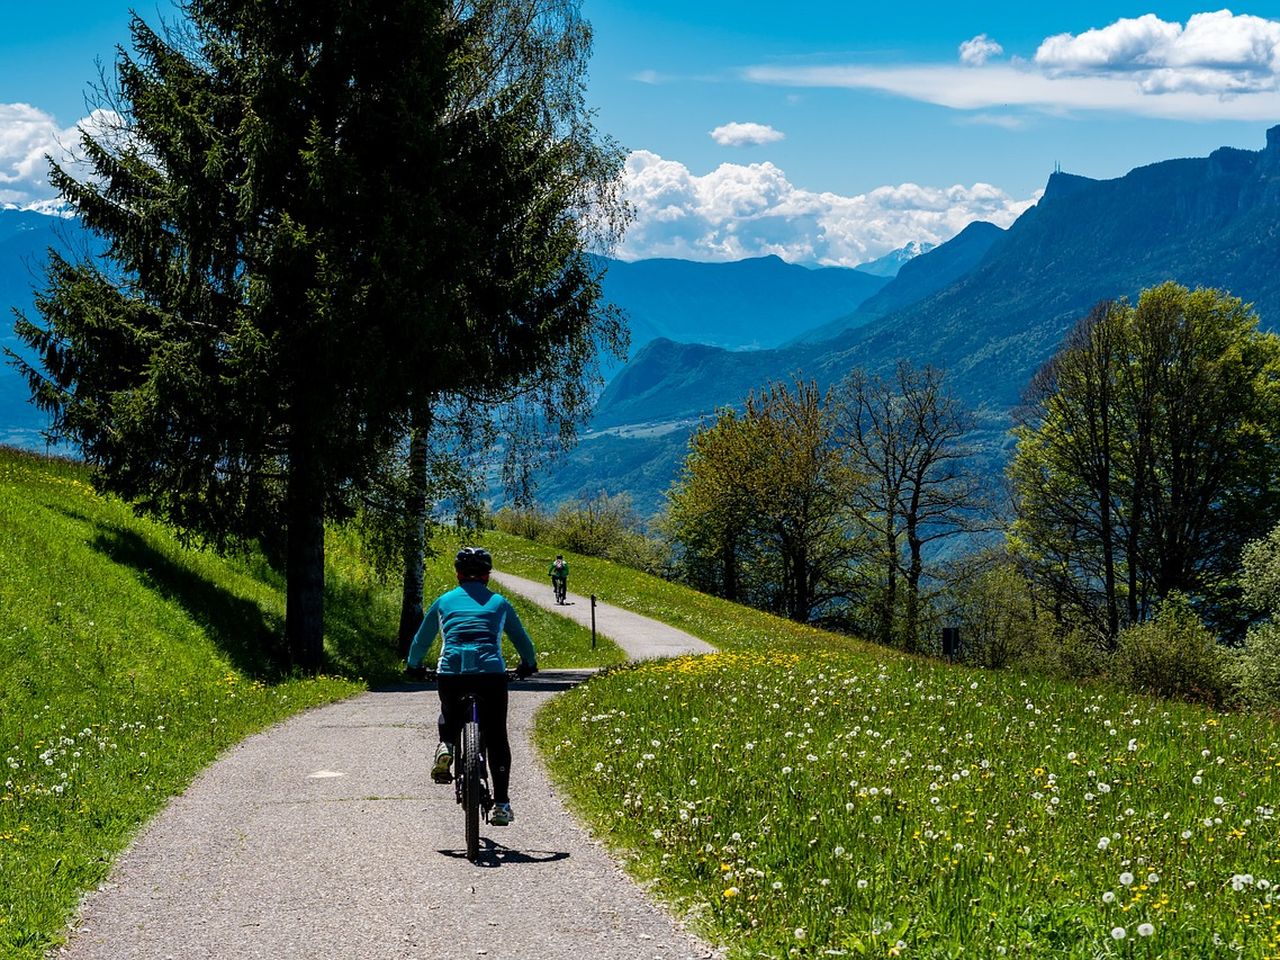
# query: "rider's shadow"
{"type": "Point", "coordinates": [496, 855]}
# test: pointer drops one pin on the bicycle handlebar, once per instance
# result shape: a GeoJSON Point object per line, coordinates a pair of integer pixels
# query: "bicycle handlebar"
{"type": "Point", "coordinates": [431, 676]}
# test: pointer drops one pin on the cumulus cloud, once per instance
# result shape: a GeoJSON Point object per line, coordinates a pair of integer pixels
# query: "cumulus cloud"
{"type": "Point", "coordinates": [979, 50]}
{"type": "Point", "coordinates": [1215, 53]}
{"type": "Point", "coordinates": [745, 134]}
{"type": "Point", "coordinates": [1218, 66]}
{"type": "Point", "coordinates": [27, 135]}
{"type": "Point", "coordinates": [752, 210]}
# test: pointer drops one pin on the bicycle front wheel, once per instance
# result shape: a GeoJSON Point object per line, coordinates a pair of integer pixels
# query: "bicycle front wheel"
{"type": "Point", "coordinates": [471, 786]}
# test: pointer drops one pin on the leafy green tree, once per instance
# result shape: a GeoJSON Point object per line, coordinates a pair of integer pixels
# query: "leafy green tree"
{"type": "Point", "coordinates": [714, 506]}
{"type": "Point", "coordinates": [1162, 416]}
{"type": "Point", "coordinates": [301, 221]}
{"type": "Point", "coordinates": [763, 496]}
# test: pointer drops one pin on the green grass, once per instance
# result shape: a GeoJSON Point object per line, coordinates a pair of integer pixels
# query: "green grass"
{"type": "Point", "coordinates": [796, 801]}
{"type": "Point", "coordinates": [127, 663]}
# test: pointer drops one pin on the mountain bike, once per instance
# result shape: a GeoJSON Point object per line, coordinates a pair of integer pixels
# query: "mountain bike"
{"type": "Point", "coordinates": [471, 772]}
{"type": "Point", "coordinates": [558, 584]}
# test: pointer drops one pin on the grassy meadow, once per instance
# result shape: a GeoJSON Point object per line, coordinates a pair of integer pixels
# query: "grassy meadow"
{"type": "Point", "coordinates": [127, 663]}
{"type": "Point", "coordinates": [804, 799]}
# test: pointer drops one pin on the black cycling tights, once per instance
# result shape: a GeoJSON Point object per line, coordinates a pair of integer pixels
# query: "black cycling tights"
{"type": "Point", "coordinates": [491, 698]}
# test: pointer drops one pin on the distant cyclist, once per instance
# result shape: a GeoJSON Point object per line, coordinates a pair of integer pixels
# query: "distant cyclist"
{"type": "Point", "coordinates": [559, 573]}
{"type": "Point", "coordinates": [472, 619]}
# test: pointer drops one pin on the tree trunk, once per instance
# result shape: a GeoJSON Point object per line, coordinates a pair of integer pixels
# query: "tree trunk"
{"type": "Point", "coordinates": [729, 561]}
{"type": "Point", "coordinates": [304, 561]}
{"type": "Point", "coordinates": [415, 537]}
{"type": "Point", "coordinates": [890, 600]}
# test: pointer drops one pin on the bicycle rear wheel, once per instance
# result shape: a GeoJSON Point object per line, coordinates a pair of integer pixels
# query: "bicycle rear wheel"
{"type": "Point", "coordinates": [471, 786]}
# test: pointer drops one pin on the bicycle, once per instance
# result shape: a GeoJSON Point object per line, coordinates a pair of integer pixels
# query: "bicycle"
{"type": "Point", "coordinates": [471, 777]}
{"type": "Point", "coordinates": [558, 584]}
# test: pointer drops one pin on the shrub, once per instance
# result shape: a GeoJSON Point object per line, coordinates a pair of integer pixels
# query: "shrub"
{"type": "Point", "coordinates": [532, 523]}
{"type": "Point", "coordinates": [998, 625]}
{"type": "Point", "coordinates": [1255, 670]}
{"type": "Point", "coordinates": [1260, 577]}
{"type": "Point", "coordinates": [1174, 655]}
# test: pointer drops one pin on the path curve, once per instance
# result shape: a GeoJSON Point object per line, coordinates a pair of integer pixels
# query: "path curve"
{"type": "Point", "coordinates": [324, 837]}
{"type": "Point", "coordinates": [641, 638]}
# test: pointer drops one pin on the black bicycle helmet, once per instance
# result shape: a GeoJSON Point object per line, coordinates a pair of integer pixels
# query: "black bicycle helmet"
{"type": "Point", "coordinates": [473, 561]}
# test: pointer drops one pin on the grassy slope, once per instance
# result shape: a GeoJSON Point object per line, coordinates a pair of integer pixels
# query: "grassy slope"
{"type": "Point", "coordinates": [128, 662]}
{"type": "Point", "coordinates": [858, 798]}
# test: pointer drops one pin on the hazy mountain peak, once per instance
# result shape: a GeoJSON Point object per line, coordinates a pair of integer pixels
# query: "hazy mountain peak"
{"type": "Point", "coordinates": [891, 262]}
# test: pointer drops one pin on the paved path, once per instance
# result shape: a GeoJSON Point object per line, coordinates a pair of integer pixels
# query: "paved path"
{"type": "Point", "coordinates": [639, 637]}
{"type": "Point", "coordinates": [325, 839]}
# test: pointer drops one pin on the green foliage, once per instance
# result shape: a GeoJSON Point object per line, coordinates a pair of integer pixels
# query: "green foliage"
{"type": "Point", "coordinates": [761, 508]}
{"type": "Point", "coordinates": [596, 526]}
{"type": "Point", "coordinates": [1254, 670]}
{"type": "Point", "coordinates": [1173, 655]}
{"type": "Point", "coordinates": [1147, 458]}
{"type": "Point", "coordinates": [835, 803]}
{"type": "Point", "coordinates": [998, 620]}
{"type": "Point", "coordinates": [1260, 577]}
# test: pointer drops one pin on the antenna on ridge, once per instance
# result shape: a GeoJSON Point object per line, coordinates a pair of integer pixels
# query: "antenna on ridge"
{"type": "Point", "coordinates": [1057, 167]}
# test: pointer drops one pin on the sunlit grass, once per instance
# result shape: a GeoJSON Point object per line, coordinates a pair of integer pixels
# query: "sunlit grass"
{"type": "Point", "coordinates": [796, 801]}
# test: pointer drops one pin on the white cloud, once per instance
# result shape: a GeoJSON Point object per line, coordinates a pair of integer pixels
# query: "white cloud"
{"type": "Point", "coordinates": [745, 134]}
{"type": "Point", "coordinates": [753, 210]}
{"type": "Point", "coordinates": [27, 135]}
{"type": "Point", "coordinates": [1218, 66]}
{"type": "Point", "coordinates": [979, 50]}
{"type": "Point", "coordinates": [1215, 53]}
{"type": "Point", "coordinates": [1019, 85]}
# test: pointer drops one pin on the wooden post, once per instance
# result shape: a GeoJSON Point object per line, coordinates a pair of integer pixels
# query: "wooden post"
{"type": "Point", "coordinates": [593, 621]}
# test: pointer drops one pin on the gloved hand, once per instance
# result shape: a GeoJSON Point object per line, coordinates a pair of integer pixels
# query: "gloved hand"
{"type": "Point", "coordinates": [524, 670]}
{"type": "Point", "coordinates": [415, 673]}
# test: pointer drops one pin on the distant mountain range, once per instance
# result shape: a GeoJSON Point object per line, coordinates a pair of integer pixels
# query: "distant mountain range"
{"type": "Point", "coordinates": [989, 306]}
{"type": "Point", "coordinates": [760, 302]}
{"type": "Point", "coordinates": [25, 237]}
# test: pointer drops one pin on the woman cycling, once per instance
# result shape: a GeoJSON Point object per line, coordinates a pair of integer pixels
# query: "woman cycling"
{"type": "Point", "coordinates": [472, 619]}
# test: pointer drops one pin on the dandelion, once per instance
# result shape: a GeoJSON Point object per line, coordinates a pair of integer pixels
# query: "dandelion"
{"type": "Point", "coordinates": [1109, 897]}
{"type": "Point", "coordinates": [1118, 933]}
{"type": "Point", "coordinates": [800, 933]}
{"type": "Point", "coordinates": [730, 893]}
{"type": "Point", "coordinates": [1145, 929]}
{"type": "Point", "coordinates": [1104, 842]}
{"type": "Point", "coordinates": [1153, 878]}
{"type": "Point", "coordinates": [1126, 879]}
{"type": "Point", "coordinates": [862, 884]}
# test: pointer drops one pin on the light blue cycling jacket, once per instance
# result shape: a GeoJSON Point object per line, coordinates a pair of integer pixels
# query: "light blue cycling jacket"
{"type": "Point", "coordinates": [472, 619]}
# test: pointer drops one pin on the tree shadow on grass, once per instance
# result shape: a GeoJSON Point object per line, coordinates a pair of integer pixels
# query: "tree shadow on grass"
{"type": "Point", "coordinates": [252, 639]}
{"type": "Point", "coordinates": [357, 638]}
{"type": "Point", "coordinates": [359, 632]}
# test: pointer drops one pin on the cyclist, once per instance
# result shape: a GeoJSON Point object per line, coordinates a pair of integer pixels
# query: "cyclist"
{"type": "Point", "coordinates": [559, 574]}
{"type": "Point", "coordinates": [472, 619]}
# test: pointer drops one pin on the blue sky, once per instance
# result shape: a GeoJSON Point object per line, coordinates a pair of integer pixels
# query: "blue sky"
{"type": "Point", "coordinates": [862, 126]}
